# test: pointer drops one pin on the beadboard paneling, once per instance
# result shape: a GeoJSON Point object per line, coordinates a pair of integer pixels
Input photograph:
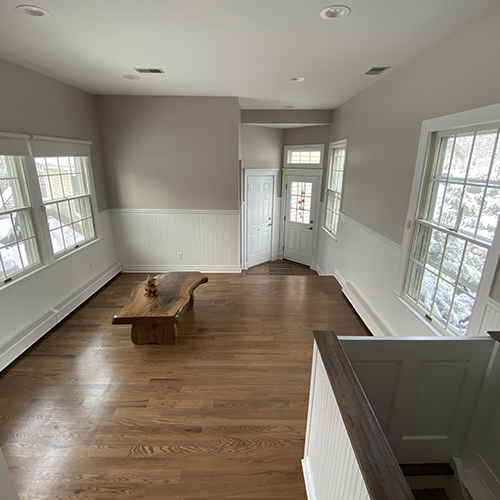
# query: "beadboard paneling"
{"type": "Point", "coordinates": [150, 240]}
{"type": "Point", "coordinates": [330, 466]}
{"type": "Point", "coordinates": [36, 298]}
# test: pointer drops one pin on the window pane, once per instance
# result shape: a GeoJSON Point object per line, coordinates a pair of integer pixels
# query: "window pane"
{"type": "Point", "coordinates": [69, 236]}
{"type": "Point", "coordinates": [436, 203]}
{"type": "Point", "coordinates": [489, 215]}
{"type": "Point", "coordinates": [428, 290]}
{"type": "Point", "coordinates": [453, 258]}
{"type": "Point", "coordinates": [472, 268]}
{"type": "Point", "coordinates": [7, 230]}
{"type": "Point", "coordinates": [471, 209]}
{"type": "Point", "coordinates": [443, 300]}
{"type": "Point", "coordinates": [446, 151]}
{"type": "Point", "coordinates": [57, 241]}
{"type": "Point", "coordinates": [422, 244]}
{"type": "Point", "coordinates": [482, 155]}
{"type": "Point", "coordinates": [88, 229]}
{"type": "Point", "coordinates": [461, 155]}
{"type": "Point", "coordinates": [436, 250]}
{"type": "Point", "coordinates": [451, 205]}
{"type": "Point", "coordinates": [416, 274]}
{"type": "Point", "coordinates": [461, 313]}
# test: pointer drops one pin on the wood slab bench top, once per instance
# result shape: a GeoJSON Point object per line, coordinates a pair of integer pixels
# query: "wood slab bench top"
{"type": "Point", "coordinates": [175, 292]}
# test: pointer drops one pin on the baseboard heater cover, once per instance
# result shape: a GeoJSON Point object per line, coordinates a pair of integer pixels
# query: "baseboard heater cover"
{"type": "Point", "coordinates": [24, 339]}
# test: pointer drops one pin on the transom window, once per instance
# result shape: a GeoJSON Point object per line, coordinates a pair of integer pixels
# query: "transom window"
{"type": "Point", "coordinates": [304, 156]}
{"type": "Point", "coordinates": [456, 223]}
{"type": "Point", "coordinates": [333, 192]}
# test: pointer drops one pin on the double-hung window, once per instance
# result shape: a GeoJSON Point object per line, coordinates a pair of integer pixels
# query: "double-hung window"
{"type": "Point", "coordinates": [456, 222]}
{"type": "Point", "coordinates": [18, 248]}
{"type": "Point", "coordinates": [45, 201]}
{"type": "Point", "coordinates": [333, 192]}
{"type": "Point", "coordinates": [65, 190]}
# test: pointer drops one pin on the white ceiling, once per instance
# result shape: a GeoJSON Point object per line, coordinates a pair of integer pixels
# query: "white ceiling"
{"type": "Point", "coordinates": [243, 48]}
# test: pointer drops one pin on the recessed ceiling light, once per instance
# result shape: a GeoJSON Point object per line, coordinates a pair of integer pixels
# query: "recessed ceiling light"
{"type": "Point", "coordinates": [297, 79]}
{"type": "Point", "coordinates": [335, 11]}
{"type": "Point", "coordinates": [289, 107]}
{"type": "Point", "coordinates": [131, 77]}
{"type": "Point", "coordinates": [33, 11]}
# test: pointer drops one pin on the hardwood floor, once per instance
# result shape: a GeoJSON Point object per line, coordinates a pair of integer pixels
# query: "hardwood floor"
{"type": "Point", "coordinates": [86, 414]}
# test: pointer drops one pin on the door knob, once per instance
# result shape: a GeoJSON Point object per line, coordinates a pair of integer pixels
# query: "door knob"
{"type": "Point", "coordinates": [310, 228]}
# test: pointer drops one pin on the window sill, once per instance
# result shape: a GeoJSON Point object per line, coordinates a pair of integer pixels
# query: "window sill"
{"type": "Point", "coordinates": [425, 321]}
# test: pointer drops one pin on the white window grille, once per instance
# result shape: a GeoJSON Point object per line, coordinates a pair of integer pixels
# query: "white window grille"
{"type": "Point", "coordinates": [333, 192]}
{"type": "Point", "coordinates": [304, 156]}
{"type": "Point", "coordinates": [18, 247]}
{"type": "Point", "coordinates": [455, 226]}
{"type": "Point", "coordinates": [66, 196]}
{"type": "Point", "coordinates": [54, 174]}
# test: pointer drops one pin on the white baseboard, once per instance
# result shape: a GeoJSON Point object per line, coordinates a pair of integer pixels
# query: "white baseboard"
{"type": "Point", "coordinates": [24, 339]}
{"type": "Point", "coordinates": [306, 470]}
{"type": "Point", "coordinates": [370, 318]}
{"type": "Point", "coordinates": [165, 269]}
{"type": "Point", "coordinates": [318, 269]}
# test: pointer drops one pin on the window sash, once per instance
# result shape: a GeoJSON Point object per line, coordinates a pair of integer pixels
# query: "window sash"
{"type": "Point", "coordinates": [333, 192]}
{"type": "Point", "coordinates": [458, 241]}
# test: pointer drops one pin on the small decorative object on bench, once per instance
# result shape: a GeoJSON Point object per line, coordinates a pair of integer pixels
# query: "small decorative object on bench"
{"type": "Point", "coordinates": [157, 305]}
{"type": "Point", "coordinates": [151, 288]}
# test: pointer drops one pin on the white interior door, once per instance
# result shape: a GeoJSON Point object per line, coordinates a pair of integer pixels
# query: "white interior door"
{"type": "Point", "coordinates": [260, 191]}
{"type": "Point", "coordinates": [300, 217]}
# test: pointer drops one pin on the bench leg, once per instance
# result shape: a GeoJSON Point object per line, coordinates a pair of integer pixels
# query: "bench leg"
{"type": "Point", "coordinates": [191, 303]}
{"type": "Point", "coordinates": [165, 333]}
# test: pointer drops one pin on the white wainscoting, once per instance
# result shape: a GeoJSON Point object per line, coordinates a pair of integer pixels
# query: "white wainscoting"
{"type": "Point", "coordinates": [423, 391]}
{"type": "Point", "coordinates": [151, 240]}
{"type": "Point", "coordinates": [367, 265]}
{"type": "Point", "coordinates": [329, 465]}
{"type": "Point", "coordinates": [33, 304]}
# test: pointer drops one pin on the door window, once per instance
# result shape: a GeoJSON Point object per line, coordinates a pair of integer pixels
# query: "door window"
{"type": "Point", "coordinates": [300, 202]}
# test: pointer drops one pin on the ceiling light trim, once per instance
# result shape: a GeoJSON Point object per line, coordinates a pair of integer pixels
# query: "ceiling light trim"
{"type": "Point", "coordinates": [33, 11]}
{"type": "Point", "coordinates": [335, 12]}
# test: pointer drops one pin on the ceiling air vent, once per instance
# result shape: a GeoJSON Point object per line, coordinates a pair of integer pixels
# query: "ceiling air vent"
{"type": "Point", "coordinates": [376, 70]}
{"type": "Point", "coordinates": [153, 71]}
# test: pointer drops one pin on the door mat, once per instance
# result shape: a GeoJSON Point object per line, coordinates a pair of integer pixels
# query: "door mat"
{"type": "Point", "coordinates": [280, 268]}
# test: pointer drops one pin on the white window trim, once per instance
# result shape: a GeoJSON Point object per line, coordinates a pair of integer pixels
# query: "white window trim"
{"type": "Point", "coordinates": [479, 116]}
{"type": "Point", "coordinates": [304, 147]}
{"type": "Point", "coordinates": [331, 148]}
{"type": "Point", "coordinates": [47, 256]}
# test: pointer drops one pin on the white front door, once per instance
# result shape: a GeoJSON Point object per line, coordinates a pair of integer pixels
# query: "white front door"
{"type": "Point", "coordinates": [260, 191]}
{"type": "Point", "coordinates": [300, 218]}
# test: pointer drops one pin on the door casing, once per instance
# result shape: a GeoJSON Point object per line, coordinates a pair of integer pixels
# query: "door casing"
{"type": "Point", "coordinates": [258, 172]}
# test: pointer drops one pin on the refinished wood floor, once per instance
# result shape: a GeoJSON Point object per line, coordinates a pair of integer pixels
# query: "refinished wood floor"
{"type": "Point", "coordinates": [86, 414]}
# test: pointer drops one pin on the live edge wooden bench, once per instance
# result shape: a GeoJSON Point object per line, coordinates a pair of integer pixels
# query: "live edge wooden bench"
{"type": "Point", "coordinates": [154, 319]}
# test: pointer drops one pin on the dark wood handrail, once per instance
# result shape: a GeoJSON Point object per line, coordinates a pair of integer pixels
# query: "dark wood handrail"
{"type": "Point", "coordinates": [495, 335]}
{"type": "Point", "coordinates": [379, 467]}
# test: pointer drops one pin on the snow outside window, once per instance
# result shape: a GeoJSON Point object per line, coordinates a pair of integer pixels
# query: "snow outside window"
{"type": "Point", "coordinates": [456, 224]}
{"type": "Point", "coordinates": [333, 193]}
{"type": "Point", "coordinates": [18, 247]}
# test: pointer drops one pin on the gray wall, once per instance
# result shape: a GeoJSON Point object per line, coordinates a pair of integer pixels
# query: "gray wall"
{"type": "Point", "coordinates": [310, 135]}
{"type": "Point", "coordinates": [32, 103]}
{"type": "Point", "coordinates": [170, 152]}
{"type": "Point", "coordinates": [382, 123]}
{"type": "Point", "coordinates": [261, 147]}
